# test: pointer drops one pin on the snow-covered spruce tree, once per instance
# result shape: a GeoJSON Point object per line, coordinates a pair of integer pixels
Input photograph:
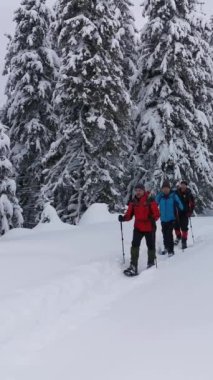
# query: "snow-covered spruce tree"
{"type": "Point", "coordinates": [31, 65]}
{"type": "Point", "coordinates": [211, 33]}
{"type": "Point", "coordinates": [129, 44]}
{"type": "Point", "coordinates": [127, 36]}
{"type": "Point", "coordinates": [10, 211]}
{"type": "Point", "coordinates": [87, 162]}
{"type": "Point", "coordinates": [174, 97]}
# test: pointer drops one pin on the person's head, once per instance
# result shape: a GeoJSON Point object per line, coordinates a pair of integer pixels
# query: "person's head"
{"type": "Point", "coordinates": [183, 186]}
{"type": "Point", "coordinates": [166, 188]}
{"type": "Point", "coordinates": [139, 190]}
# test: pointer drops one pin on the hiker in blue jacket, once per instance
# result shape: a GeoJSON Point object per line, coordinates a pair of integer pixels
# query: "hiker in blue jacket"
{"type": "Point", "coordinates": [168, 202]}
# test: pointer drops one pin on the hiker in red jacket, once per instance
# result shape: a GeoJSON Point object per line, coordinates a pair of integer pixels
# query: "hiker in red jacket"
{"type": "Point", "coordinates": [145, 210]}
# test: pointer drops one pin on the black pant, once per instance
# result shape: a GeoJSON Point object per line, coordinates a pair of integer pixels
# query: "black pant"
{"type": "Point", "coordinates": [182, 222]}
{"type": "Point", "coordinates": [138, 236]}
{"type": "Point", "coordinates": [167, 230]}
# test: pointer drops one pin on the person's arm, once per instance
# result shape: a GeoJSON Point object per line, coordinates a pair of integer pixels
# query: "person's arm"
{"type": "Point", "coordinates": [158, 198]}
{"type": "Point", "coordinates": [130, 212]}
{"type": "Point", "coordinates": [178, 202]}
{"type": "Point", "coordinates": [191, 204]}
{"type": "Point", "coordinates": [155, 210]}
{"type": "Point", "coordinates": [128, 215]}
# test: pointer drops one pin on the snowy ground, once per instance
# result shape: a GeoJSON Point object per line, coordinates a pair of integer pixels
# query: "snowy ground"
{"type": "Point", "coordinates": [67, 312]}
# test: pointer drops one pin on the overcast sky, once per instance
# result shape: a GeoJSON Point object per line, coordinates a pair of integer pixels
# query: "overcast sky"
{"type": "Point", "coordinates": [7, 8]}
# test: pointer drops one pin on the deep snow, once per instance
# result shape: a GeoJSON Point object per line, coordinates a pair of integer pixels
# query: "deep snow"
{"type": "Point", "coordinates": [67, 312]}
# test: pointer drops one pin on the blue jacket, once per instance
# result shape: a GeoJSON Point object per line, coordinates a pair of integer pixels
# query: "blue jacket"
{"type": "Point", "coordinates": [168, 205]}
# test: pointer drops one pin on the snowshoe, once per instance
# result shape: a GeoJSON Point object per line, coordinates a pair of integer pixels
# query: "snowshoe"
{"type": "Point", "coordinates": [131, 271]}
{"type": "Point", "coordinates": [177, 240]}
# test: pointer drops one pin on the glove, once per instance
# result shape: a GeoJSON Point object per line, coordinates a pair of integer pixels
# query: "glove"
{"type": "Point", "coordinates": [120, 218]}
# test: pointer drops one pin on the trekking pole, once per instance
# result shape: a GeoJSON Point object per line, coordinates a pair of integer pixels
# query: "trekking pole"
{"type": "Point", "coordinates": [122, 238]}
{"type": "Point", "coordinates": [193, 238]}
{"type": "Point", "coordinates": [154, 239]}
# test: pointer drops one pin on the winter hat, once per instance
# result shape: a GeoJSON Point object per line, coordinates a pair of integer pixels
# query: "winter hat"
{"type": "Point", "coordinates": [140, 186]}
{"type": "Point", "coordinates": [184, 183]}
{"type": "Point", "coordinates": [166, 184]}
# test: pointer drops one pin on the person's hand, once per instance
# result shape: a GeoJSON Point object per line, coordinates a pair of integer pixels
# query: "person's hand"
{"type": "Point", "coordinates": [120, 218]}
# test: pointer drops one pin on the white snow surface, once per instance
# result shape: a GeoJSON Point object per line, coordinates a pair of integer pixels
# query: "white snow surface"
{"type": "Point", "coordinates": [67, 312]}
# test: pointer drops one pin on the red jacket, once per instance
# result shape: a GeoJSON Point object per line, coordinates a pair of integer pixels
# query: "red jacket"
{"type": "Point", "coordinates": [145, 211]}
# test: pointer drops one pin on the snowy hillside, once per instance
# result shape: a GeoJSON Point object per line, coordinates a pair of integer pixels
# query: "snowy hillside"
{"type": "Point", "coordinates": [67, 312]}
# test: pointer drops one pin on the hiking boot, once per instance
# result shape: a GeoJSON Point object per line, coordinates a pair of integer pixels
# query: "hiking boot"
{"type": "Point", "coordinates": [164, 252]}
{"type": "Point", "coordinates": [170, 254]}
{"type": "Point", "coordinates": [131, 271]}
{"type": "Point", "coordinates": [150, 265]}
{"type": "Point", "coordinates": [177, 240]}
{"type": "Point", "coordinates": [151, 257]}
{"type": "Point", "coordinates": [184, 243]}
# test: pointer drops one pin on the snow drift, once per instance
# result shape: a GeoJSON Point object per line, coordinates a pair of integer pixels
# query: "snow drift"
{"type": "Point", "coordinates": [68, 312]}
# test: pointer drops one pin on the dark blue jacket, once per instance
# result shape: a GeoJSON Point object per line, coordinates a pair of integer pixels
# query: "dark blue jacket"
{"type": "Point", "coordinates": [168, 205]}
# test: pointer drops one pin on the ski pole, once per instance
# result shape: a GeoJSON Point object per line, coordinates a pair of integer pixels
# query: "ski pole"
{"type": "Point", "coordinates": [154, 239]}
{"type": "Point", "coordinates": [122, 238]}
{"type": "Point", "coordinates": [193, 238]}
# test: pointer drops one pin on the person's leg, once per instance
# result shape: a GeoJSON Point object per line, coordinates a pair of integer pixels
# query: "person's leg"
{"type": "Point", "coordinates": [169, 237]}
{"type": "Point", "coordinates": [154, 235]}
{"type": "Point", "coordinates": [184, 228]}
{"type": "Point", "coordinates": [177, 229]}
{"type": "Point", "coordinates": [136, 241]}
{"type": "Point", "coordinates": [164, 233]}
{"type": "Point", "coordinates": [151, 248]}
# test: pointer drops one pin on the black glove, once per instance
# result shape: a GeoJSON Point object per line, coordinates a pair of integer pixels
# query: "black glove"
{"type": "Point", "coordinates": [120, 218]}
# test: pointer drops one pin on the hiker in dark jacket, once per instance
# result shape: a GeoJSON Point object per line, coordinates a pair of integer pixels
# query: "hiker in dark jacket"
{"type": "Point", "coordinates": [168, 202]}
{"type": "Point", "coordinates": [145, 210]}
{"type": "Point", "coordinates": [182, 216]}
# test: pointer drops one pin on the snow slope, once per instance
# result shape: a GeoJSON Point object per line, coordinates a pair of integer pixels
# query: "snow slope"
{"type": "Point", "coordinates": [67, 312]}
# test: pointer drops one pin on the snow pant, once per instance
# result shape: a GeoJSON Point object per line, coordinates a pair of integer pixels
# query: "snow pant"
{"type": "Point", "coordinates": [167, 230]}
{"type": "Point", "coordinates": [136, 241]}
{"type": "Point", "coordinates": [182, 226]}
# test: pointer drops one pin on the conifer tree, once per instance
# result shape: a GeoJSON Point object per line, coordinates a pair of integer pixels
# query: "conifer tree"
{"type": "Point", "coordinates": [87, 163]}
{"type": "Point", "coordinates": [31, 66]}
{"type": "Point", "coordinates": [10, 211]}
{"type": "Point", "coordinates": [128, 40]}
{"type": "Point", "coordinates": [174, 98]}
